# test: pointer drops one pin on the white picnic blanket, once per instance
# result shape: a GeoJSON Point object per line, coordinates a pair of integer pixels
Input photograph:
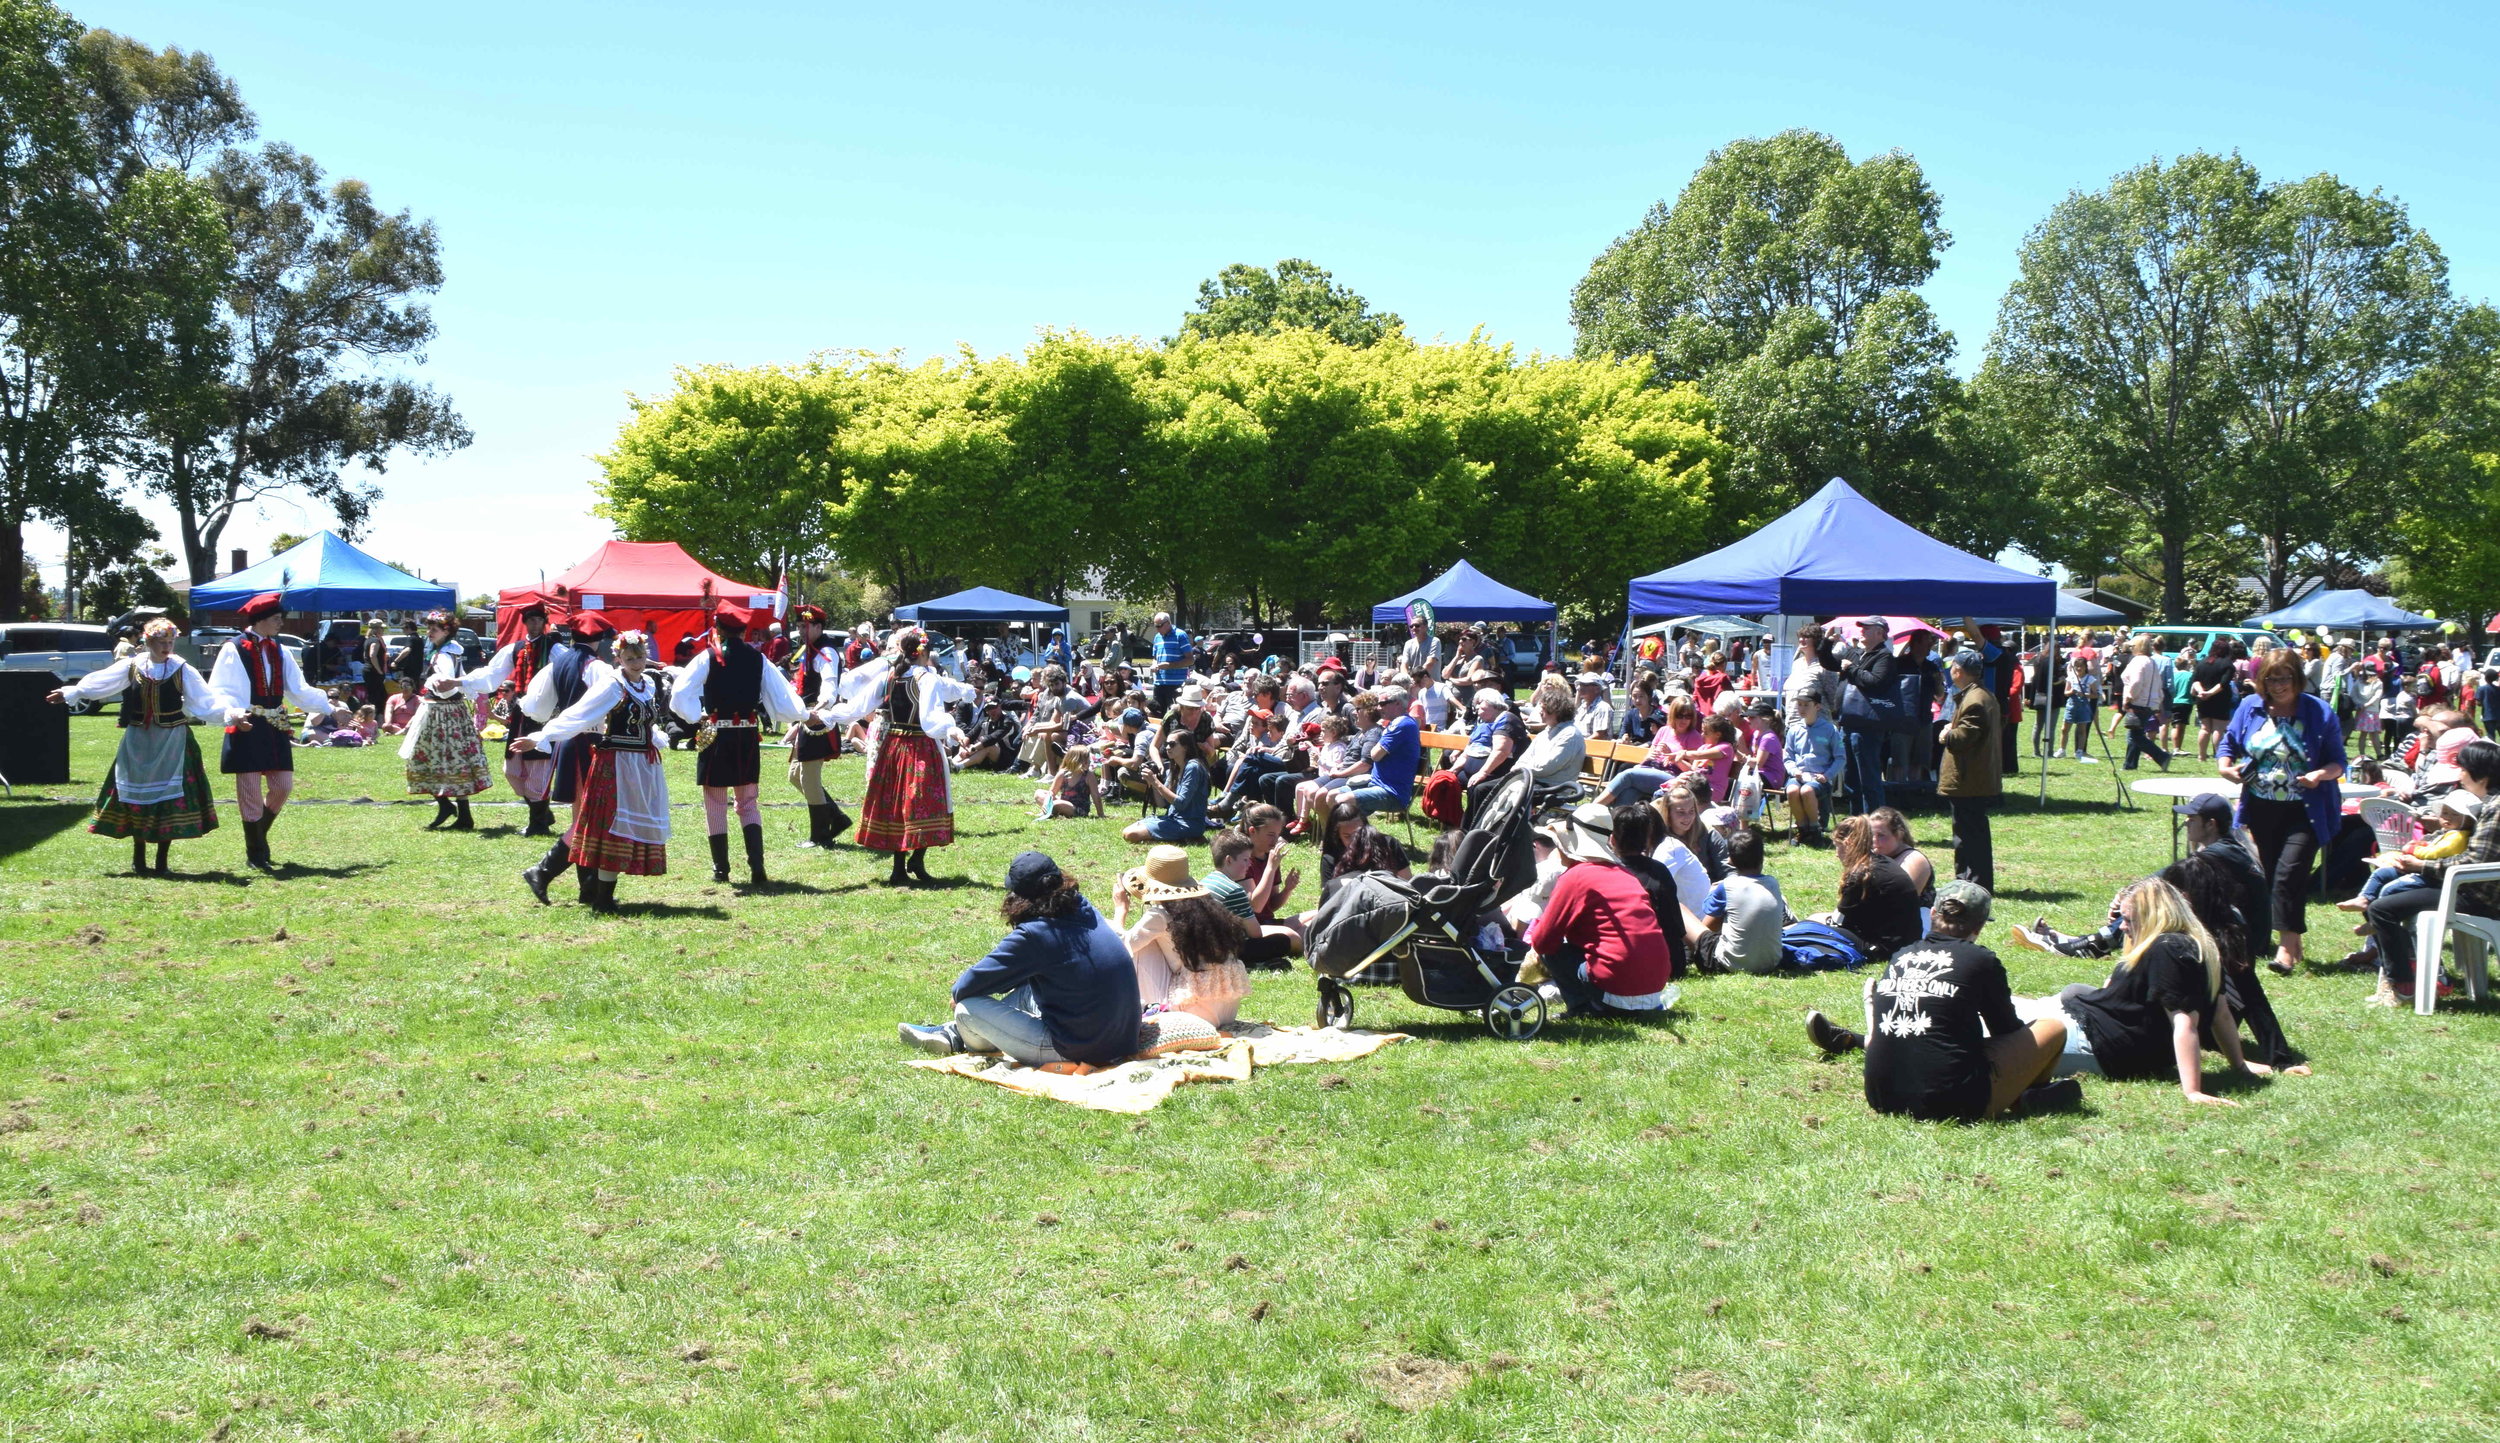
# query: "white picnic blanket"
{"type": "Point", "coordinates": [1140, 1084]}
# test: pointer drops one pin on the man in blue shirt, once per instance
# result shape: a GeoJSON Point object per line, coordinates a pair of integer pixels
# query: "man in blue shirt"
{"type": "Point", "coordinates": [1400, 751]}
{"type": "Point", "coordinates": [1173, 649]}
{"type": "Point", "coordinates": [1059, 987]}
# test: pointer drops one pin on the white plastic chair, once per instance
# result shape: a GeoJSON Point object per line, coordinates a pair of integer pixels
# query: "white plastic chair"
{"type": "Point", "coordinates": [2476, 937]}
{"type": "Point", "coordinates": [2392, 820]}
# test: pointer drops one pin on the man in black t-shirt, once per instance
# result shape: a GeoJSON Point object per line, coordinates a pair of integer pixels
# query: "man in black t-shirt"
{"type": "Point", "coordinates": [1946, 1045]}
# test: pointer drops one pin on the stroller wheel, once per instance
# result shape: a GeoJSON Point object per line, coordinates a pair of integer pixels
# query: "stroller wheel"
{"type": "Point", "coordinates": [1517, 1013]}
{"type": "Point", "coordinates": [1336, 1003]}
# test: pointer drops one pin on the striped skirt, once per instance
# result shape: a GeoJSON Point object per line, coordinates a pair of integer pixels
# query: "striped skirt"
{"type": "Point", "coordinates": [620, 815]}
{"type": "Point", "coordinates": [907, 806]}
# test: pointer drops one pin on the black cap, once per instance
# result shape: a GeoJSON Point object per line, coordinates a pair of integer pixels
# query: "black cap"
{"type": "Point", "coordinates": [2212, 806]}
{"type": "Point", "coordinates": [1033, 876]}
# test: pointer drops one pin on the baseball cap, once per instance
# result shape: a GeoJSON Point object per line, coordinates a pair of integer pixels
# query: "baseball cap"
{"type": "Point", "coordinates": [2212, 806]}
{"type": "Point", "coordinates": [1033, 876]}
{"type": "Point", "coordinates": [1968, 900]}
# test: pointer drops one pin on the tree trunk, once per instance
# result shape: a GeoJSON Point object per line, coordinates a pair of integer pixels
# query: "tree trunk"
{"type": "Point", "coordinates": [199, 560]}
{"type": "Point", "coordinates": [12, 570]}
{"type": "Point", "coordinates": [2174, 578]}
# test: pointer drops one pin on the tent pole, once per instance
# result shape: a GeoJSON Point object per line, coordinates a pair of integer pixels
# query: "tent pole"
{"type": "Point", "coordinates": [2048, 694]}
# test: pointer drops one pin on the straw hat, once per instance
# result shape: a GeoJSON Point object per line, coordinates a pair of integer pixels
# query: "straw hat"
{"type": "Point", "coordinates": [1164, 878]}
{"type": "Point", "coordinates": [1587, 835]}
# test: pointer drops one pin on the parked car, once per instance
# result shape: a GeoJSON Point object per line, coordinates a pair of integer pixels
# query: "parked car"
{"type": "Point", "coordinates": [68, 650]}
{"type": "Point", "coordinates": [1520, 659]}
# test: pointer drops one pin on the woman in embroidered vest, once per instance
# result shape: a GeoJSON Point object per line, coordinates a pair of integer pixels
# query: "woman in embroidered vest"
{"type": "Point", "coordinates": [445, 758]}
{"type": "Point", "coordinates": [908, 809]}
{"type": "Point", "coordinates": [620, 809]}
{"type": "Point", "coordinates": [157, 790]}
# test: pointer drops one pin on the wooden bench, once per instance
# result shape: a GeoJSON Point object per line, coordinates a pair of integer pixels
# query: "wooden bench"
{"type": "Point", "coordinates": [1604, 758]}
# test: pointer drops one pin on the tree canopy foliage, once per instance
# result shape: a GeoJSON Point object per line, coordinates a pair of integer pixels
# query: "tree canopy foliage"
{"type": "Point", "coordinates": [1296, 296]}
{"type": "Point", "coordinates": [1305, 475]}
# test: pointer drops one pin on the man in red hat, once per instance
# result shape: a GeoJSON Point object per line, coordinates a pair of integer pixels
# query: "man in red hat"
{"type": "Point", "coordinates": [256, 677]}
{"type": "Point", "coordinates": [733, 692]}
{"type": "Point", "coordinates": [572, 670]}
{"type": "Point", "coordinates": [511, 671]}
{"type": "Point", "coordinates": [816, 674]}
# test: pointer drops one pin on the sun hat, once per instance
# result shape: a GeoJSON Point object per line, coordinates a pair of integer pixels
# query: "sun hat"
{"type": "Point", "coordinates": [1164, 878]}
{"type": "Point", "coordinates": [1590, 678]}
{"type": "Point", "coordinates": [1587, 835]}
{"type": "Point", "coordinates": [1192, 695]}
{"type": "Point", "coordinates": [2464, 803]}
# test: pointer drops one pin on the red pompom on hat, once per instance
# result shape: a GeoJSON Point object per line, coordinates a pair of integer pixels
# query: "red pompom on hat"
{"type": "Point", "coordinates": [268, 603]}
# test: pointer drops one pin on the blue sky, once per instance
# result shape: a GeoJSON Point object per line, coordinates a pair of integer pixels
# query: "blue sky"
{"type": "Point", "coordinates": [626, 187]}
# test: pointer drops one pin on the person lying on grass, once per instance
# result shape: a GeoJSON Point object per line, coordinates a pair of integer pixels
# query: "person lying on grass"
{"type": "Point", "coordinates": [1058, 988]}
{"type": "Point", "coordinates": [2161, 1006]}
{"type": "Point", "coordinates": [1944, 1043]}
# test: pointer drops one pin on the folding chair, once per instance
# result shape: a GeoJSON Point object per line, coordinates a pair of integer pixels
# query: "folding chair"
{"type": "Point", "coordinates": [2476, 937]}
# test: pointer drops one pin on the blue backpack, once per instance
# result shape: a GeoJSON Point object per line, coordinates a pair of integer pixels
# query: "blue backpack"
{"type": "Point", "coordinates": [1819, 947]}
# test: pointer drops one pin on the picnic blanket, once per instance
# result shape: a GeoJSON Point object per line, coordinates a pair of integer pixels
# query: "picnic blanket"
{"type": "Point", "coordinates": [1139, 1084]}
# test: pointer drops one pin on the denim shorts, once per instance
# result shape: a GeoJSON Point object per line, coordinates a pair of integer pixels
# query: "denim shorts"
{"type": "Point", "coordinates": [1370, 798]}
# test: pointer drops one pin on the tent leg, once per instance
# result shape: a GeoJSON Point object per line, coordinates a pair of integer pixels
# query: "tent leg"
{"type": "Point", "coordinates": [2048, 702]}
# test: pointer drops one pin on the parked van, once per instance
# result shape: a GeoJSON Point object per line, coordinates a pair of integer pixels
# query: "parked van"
{"type": "Point", "coordinates": [2168, 639]}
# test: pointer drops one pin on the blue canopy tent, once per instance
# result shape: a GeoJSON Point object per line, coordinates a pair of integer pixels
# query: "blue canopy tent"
{"type": "Point", "coordinates": [1841, 554]}
{"type": "Point", "coordinates": [324, 574]}
{"type": "Point", "coordinates": [983, 603]}
{"type": "Point", "coordinates": [1463, 593]}
{"type": "Point", "coordinates": [2346, 610]}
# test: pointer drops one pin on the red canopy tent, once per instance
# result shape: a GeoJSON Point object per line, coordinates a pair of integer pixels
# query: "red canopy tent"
{"type": "Point", "coordinates": [651, 586]}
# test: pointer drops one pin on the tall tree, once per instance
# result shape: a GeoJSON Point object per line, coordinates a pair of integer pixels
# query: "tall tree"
{"type": "Point", "coordinates": [2113, 359]}
{"type": "Point", "coordinates": [2446, 534]}
{"type": "Point", "coordinates": [1297, 295]}
{"type": "Point", "coordinates": [2343, 299]}
{"type": "Point", "coordinates": [1782, 282]}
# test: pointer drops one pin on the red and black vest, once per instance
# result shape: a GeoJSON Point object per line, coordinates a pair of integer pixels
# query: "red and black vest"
{"type": "Point", "coordinates": [264, 668]}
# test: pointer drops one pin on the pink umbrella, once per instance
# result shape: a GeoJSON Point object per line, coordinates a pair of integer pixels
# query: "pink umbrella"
{"type": "Point", "coordinates": [1901, 626]}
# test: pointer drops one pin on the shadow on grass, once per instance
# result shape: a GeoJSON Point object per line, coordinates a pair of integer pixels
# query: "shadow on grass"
{"type": "Point", "coordinates": [671, 909]}
{"type": "Point", "coordinates": [221, 879]}
{"type": "Point", "coordinates": [2038, 894]}
{"type": "Point", "coordinates": [288, 868]}
{"type": "Point", "coordinates": [28, 825]}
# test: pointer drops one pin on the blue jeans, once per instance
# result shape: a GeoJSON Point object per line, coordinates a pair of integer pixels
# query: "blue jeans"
{"type": "Point", "coordinates": [2141, 722]}
{"type": "Point", "coordinates": [1370, 798]}
{"type": "Point", "coordinates": [2387, 879]}
{"type": "Point", "coordinates": [1866, 769]}
{"type": "Point", "coordinates": [1635, 784]}
{"type": "Point", "coordinates": [1011, 1024]}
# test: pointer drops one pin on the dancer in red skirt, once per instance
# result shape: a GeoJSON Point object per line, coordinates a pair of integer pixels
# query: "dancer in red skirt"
{"type": "Point", "coordinates": [620, 811]}
{"type": "Point", "coordinates": [909, 808]}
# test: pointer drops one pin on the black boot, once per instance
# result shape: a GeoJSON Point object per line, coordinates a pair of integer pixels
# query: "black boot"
{"type": "Point", "coordinates": [466, 822]}
{"type": "Point", "coordinates": [139, 856]}
{"type": "Point", "coordinates": [542, 821]}
{"type": "Point", "coordinates": [443, 813]}
{"type": "Point", "coordinates": [163, 851]}
{"type": "Point", "coordinates": [898, 877]}
{"type": "Point", "coordinates": [256, 838]}
{"type": "Point", "coordinates": [754, 832]}
{"type": "Point", "coordinates": [720, 856]}
{"type": "Point", "coordinates": [815, 826]}
{"type": "Point", "coordinates": [588, 883]}
{"type": "Point", "coordinates": [920, 865]}
{"type": "Point", "coordinates": [603, 894]}
{"type": "Point", "coordinates": [837, 821]}
{"type": "Point", "coordinates": [550, 867]}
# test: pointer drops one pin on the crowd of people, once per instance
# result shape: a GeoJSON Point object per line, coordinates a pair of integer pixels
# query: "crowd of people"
{"type": "Point", "coordinates": [1653, 799]}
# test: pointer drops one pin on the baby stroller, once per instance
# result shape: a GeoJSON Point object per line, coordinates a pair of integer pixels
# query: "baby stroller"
{"type": "Point", "coordinates": [1425, 932]}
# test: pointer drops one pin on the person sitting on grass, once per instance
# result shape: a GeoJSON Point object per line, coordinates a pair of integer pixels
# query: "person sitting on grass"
{"type": "Point", "coordinates": [990, 745]}
{"type": "Point", "coordinates": [1070, 791]}
{"type": "Point", "coordinates": [1679, 806]}
{"type": "Point", "coordinates": [1878, 901]}
{"type": "Point", "coordinates": [1350, 844]}
{"type": "Point", "coordinates": [1185, 945]}
{"type": "Point", "coordinates": [1740, 930]}
{"type": "Point", "coordinates": [1124, 758]}
{"type": "Point", "coordinates": [1234, 854]}
{"type": "Point", "coordinates": [1184, 820]}
{"type": "Point", "coordinates": [1636, 834]}
{"type": "Point", "coordinates": [1598, 941]}
{"type": "Point", "coordinates": [2162, 1005]}
{"type": "Point", "coordinates": [1058, 988]}
{"type": "Point", "coordinates": [1945, 1042]}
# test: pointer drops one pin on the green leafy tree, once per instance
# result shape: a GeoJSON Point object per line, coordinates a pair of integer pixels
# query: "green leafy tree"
{"type": "Point", "coordinates": [1782, 283]}
{"type": "Point", "coordinates": [2445, 538]}
{"type": "Point", "coordinates": [735, 464]}
{"type": "Point", "coordinates": [1297, 295]}
{"type": "Point", "coordinates": [2112, 359]}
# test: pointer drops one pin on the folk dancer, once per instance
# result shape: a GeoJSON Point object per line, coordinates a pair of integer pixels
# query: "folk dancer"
{"type": "Point", "coordinates": [816, 674]}
{"type": "Point", "coordinates": [513, 668]}
{"type": "Point", "coordinates": [571, 672]}
{"type": "Point", "coordinates": [158, 789]}
{"type": "Point", "coordinates": [908, 808]}
{"type": "Point", "coordinates": [256, 677]}
{"type": "Point", "coordinates": [731, 691]}
{"type": "Point", "coordinates": [445, 758]}
{"type": "Point", "coordinates": [620, 812]}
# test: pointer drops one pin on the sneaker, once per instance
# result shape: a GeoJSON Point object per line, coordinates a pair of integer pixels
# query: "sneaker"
{"type": "Point", "coordinates": [2063, 1095]}
{"type": "Point", "coordinates": [938, 1041]}
{"type": "Point", "coordinates": [2096, 761]}
{"type": "Point", "coordinates": [2030, 936]}
{"type": "Point", "coordinates": [1832, 1038]}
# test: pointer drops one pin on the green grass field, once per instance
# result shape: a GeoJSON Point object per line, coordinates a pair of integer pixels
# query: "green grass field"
{"type": "Point", "coordinates": [384, 1150]}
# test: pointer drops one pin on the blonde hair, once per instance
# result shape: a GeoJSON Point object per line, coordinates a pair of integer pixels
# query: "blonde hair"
{"type": "Point", "coordinates": [2152, 908]}
{"type": "Point", "coordinates": [1076, 759]}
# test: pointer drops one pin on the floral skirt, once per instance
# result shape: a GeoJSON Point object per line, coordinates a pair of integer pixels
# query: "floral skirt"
{"type": "Point", "coordinates": [907, 807]}
{"type": "Point", "coordinates": [620, 815]}
{"type": "Point", "coordinates": [444, 756]}
{"type": "Point", "coordinates": [157, 790]}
